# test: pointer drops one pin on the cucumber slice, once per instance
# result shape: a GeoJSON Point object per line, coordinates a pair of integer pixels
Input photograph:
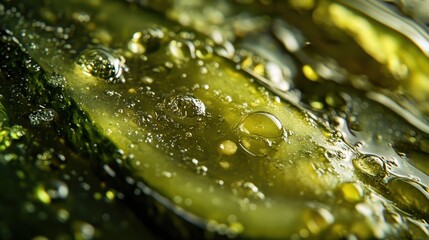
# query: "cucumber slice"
{"type": "Point", "coordinates": [193, 140]}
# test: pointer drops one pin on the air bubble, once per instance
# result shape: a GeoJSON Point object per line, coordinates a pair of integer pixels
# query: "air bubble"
{"type": "Point", "coordinates": [184, 108]}
{"type": "Point", "coordinates": [227, 148]}
{"type": "Point", "coordinates": [247, 190]}
{"type": "Point", "coordinates": [259, 133]}
{"type": "Point", "coordinates": [100, 62]}
{"type": "Point", "coordinates": [43, 115]}
{"type": "Point", "coordinates": [202, 170]}
{"type": "Point", "coordinates": [370, 166]}
{"type": "Point", "coordinates": [182, 49]}
{"type": "Point", "coordinates": [204, 52]}
{"type": "Point", "coordinates": [57, 80]}
{"type": "Point", "coordinates": [146, 41]}
{"type": "Point", "coordinates": [409, 194]}
{"type": "Point", "coordinates": [318, 219]}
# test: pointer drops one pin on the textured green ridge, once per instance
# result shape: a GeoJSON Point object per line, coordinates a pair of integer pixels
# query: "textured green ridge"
{"type": "Point", "coordinates": [44, 181]}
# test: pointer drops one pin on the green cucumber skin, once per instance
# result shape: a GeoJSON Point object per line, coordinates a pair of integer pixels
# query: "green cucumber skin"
{"type": "Point", "coordinates": [20, 88]}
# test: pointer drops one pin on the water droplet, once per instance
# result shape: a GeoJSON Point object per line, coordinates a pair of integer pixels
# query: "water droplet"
{"type": "Point", "coordinates": [184, 108]}
{"type": "Point", "coordinates": [204, 52]}
{"type": "Point", "coordinates": [182, 49]}
{"type": "Point", "coordinates": [83, 230]}
{"type": "Point", "coordinates": [146, 41]}
{"type": "Point", "coordinates": [318, 219]}
{"type": "Point", "coordinates": [52, 190]}
{"type": "Point", "coordinates": [351, 192]}
{"type": "Point", "coordinates": [100, 62]}
{"type": "Point", "coordinates": [40, 238]}
{"type": "Point", "coordinates": [81, 17]}
{"type": "Point", "coordinates": [259, 133]}
{"type": "Point", "coordinates": [370, 166]}
{"type": "Point", "coordinates": [43, 115]}
{"type": "Point", "coordinates": [56, 189]}
{"type": "Point", "coordinates": [227, 147]}
{"type": "Point", "coordinates": [226, 50]}
{"type": "Point", "coordinates": [57, 80]}
{"type": "Point", "coordinates": [310, 73]}
{"type": "Point", "coordinates": [247, 190]}
{"type": "Point", "coordinates": [234, 229]}
{"type": "Point", "coordinates": [410, 195]}
{"type": "Point", "coordinates": [417, 229]}
{"type": "Point", "coordinates": [202, 170]}
{"type": "Point", "coordinates": [63, 215]}
{"type": "Point", "coordinates": [277, 76]}
{"type": "Point", "coordinates": [335, 100]}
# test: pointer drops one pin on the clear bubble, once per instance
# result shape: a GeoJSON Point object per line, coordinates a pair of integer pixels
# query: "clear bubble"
{"type": "Point", "coordinates": [146, 41]}
{"type": "Point", "coordinates": [204, 52]}
{"type": "Point", "coordinates": [102, 63]}
{"type": "Point", "coordinates": [370, 166]}
{"type": "Point", "coordinates": [227, 148]}
{"type": "Point", "coordinates": [259, 133]}
{"type": "Point", "coordinates": [182, 49]}
{"type": "Point", "coordinates": [318, 219]}
{"type": "Point", "coordinates": [411, 195]}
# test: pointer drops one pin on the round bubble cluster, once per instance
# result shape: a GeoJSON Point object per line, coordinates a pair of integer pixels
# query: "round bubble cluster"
{"type": "Point", "coordinates": [100, 62]}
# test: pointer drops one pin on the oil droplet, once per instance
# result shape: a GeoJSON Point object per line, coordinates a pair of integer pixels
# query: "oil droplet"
{"type": "Point", "coordinates": [100, 62]}
{"type": "Point", "coordinates": [259, 133]}
{"type": "Point", "coordinates": [227, 147]}
{"type": "Point", "coordinates": [318, 219]}
{"type": "Point", "coordinates": [410, 195]}
{"type": "Point", "coordinates": [146, 41]}
{"type": "Point", "coordinates": [310, 73]}
{"type": "Point", "coordinates": [182, 49]}
{"type": "Point", "coordinates": [370, 166]}
{"type": "Point", "coordinates": [351, 192]}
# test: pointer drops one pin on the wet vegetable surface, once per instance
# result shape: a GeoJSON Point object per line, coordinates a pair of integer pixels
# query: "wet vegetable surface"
{"type": "Point", "coordinates": [148, 124]}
